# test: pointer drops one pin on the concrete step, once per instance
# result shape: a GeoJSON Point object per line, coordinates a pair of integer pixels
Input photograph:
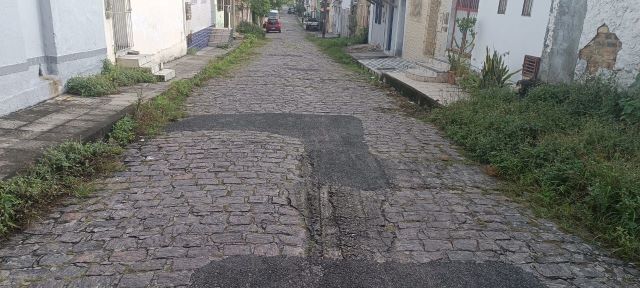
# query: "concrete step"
{"type": "Point", "coordinates": [165, 75]}
{"type": "Point", "coordinates": [426, 75]}
{"type": "Point", "coordinates": [220, 31]}
{"type": "Point", "coordinates": [134, 61]}
{"type": "Point", "coordinates": [434, 65]}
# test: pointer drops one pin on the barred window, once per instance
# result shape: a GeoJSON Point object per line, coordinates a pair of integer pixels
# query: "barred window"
{"type": "Point", "coordinates": [502, 7]}
{"type": "Point", "coordinates": [526, 8]}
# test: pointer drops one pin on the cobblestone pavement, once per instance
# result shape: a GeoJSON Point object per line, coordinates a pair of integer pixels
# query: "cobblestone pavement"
{"type": "Point", "coordinates": [191, 197]}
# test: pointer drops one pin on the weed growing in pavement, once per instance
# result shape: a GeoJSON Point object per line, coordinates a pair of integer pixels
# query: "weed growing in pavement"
{"type": "Point", "coordinates": [108, 81]}
{"type": "Point", "coordinates": [67, 170]}
{"type": "Point", "coordinates": [570, 151]}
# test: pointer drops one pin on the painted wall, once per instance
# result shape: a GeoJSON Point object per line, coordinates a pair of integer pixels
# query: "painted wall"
{"type": "Point", "coordinates": [201, 15]}
{"type": "Point", "coordinates": [159, 28]}
{"type": "Point", "coordinates": [511, 33]}
{"type": "Point", "coordinates": [623, 19]}
{"type": "Point", "coordinates": [419, 13]}
{"type": "Point", "coordinates": [50, 41]}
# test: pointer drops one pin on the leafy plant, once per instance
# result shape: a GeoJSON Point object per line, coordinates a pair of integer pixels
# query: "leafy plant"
{"type": "Point", "coordinates": [91, 86]}
{"type": "Point", "coordinates": [459, 56]}
{"type": "Point", "coordinates": [494, 73]}
{"type": "Point", "coordinates": [123, 132]}
{"type": "Point", "coordinates": [565, 150]}
{"type": "Point", "coordinates": [249, 28]}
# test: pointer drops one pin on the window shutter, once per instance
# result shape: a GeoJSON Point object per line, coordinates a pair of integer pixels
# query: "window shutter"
{"type": "Point", "coordinates": [530, 67]}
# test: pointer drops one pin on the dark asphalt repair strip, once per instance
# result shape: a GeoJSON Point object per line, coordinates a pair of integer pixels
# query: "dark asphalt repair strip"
{"type": "Point", "coordinates": [335, 143]}
{"type": "Point", "coordinates": [252, 271]}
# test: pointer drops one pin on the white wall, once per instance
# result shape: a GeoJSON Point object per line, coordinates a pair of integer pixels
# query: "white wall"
{"type": "Point", "coordinates": [58, 39]}
{"type": "Point", "coordinates": [201, 15]}
{"type": "Point", "coordinates": [511, 32]}
{"type": "Point", "coordinates": [623, 18]}
{"type": "Point", "coordinates": [159, 28]}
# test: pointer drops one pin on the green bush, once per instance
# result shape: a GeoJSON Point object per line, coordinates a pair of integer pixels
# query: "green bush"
{"type": "Point", "coordinates": [494, 73]}
{"type": "Point", "coordinates": [91, 86]}
{"type": "Point", "coordinates": [60, 170]}
{"type": "Point", "coordinates": [123, 131]}
{"type": "Point", "coordinates": [249, 28]}
{"type": "Point", "coordinates": [570, 146]}
{"type": "Point", "coordinates": [108, 81]}
{"type": "Point", "coordinates": [124, 76]}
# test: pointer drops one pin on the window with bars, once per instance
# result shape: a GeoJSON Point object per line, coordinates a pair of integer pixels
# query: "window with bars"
{"type": "Point", "coordinates": [526, 7]}
{"type": "Point", "coordinates": [502, 7]}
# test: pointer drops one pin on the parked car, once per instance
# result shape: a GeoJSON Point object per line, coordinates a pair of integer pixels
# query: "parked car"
{"type": "Point", "coordinates": [273, 25]}
{"type": "Point", "coordinates": [291, 10]}
{"type": "Point", "coordinates": [312, 24]}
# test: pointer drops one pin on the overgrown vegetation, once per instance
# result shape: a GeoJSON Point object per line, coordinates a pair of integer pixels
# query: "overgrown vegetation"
{"type": "Point", "coordinates": [336, 49]}
{"type": "Point", "coordinates": [108, 81]}
{"type": "Point", "coordinates": [572, 151]}
{"type": "Point", "coordinates": [494, 73]}
{"type": "Point", "coordinates": [69, 168]}
{"type": "Point", "coordinates": [249, 28]}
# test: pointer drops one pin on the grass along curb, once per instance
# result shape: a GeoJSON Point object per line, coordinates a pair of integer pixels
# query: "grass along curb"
{"type": "Point", "coordinates": [68, 169]}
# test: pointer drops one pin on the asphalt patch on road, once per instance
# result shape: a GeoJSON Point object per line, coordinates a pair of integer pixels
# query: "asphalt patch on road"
{"type": "Point", "coordinates": [335, 143]}
{"type": "Point", "coordinates": [253, 271]}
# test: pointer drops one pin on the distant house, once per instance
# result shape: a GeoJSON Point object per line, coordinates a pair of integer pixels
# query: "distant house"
{"type": "Point", "coordinates": [386, 25]}
{"type": "Point", "coordinates": [44, 43]}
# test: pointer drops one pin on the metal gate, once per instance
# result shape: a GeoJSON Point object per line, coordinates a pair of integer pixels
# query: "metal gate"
{"type": "Point", "coordinates": [122, 31]}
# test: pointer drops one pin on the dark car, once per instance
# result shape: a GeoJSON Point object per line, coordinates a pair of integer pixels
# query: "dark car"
{"type": "Point", "coordinates": [273, 25]}
{"type": "Point", "coordinates": [312, 24]}
{"type": "Point", "coordinates": [291, 10]}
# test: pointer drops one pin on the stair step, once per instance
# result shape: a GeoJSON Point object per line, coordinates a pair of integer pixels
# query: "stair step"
{"type": "Point", "coordinates": [426, 75]}
{"type": "Point", "coordinates": [134, 61]}
{"type": "Point", "coordinates": [165, 75]}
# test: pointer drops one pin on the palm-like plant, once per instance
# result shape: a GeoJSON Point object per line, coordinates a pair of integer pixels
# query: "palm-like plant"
{"type": "Point", "coordinates": [495, 73]}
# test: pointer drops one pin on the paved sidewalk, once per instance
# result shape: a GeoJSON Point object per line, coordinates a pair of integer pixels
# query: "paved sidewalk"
{"type": "Point", "coordinates": [25, 134]}
{"type": "Point", "coordinates": [392, 70]}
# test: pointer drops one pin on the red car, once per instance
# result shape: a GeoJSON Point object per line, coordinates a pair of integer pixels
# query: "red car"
{"type": "Point", "coordinates": [273, 25]}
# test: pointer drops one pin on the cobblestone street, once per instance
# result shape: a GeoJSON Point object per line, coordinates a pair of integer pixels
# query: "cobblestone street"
{"type": "Point", "coordinates": [294, 155]}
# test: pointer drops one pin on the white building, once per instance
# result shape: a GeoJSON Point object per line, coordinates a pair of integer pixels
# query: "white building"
{"type": "Point", "coordinates": [513, 28]}
{"type": "Point", "coordinates": [386, 25]}
{"type": "Point", "coordinates": [44, 43]}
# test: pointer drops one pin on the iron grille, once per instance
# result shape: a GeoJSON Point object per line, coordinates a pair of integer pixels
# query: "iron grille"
{"type": "Point", "coordinates": [468, 5]}
{"type": "Point", "coordinates": [526, 7]}
{"type": "Point", "coordinates": [502, 7]}
{"type": "Point", "coordinates": [122, 30]}
{"type": "Point", "coordinates": [530, 67]}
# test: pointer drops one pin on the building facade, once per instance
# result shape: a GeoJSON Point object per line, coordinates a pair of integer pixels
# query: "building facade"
{"type": "Point", "coordinates": [386, 25]}
{"type": "Point", "coordinates": [48, 43]}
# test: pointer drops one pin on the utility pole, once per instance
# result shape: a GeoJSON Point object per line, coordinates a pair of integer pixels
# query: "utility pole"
{"type": "Point", "coordinates": [324, 18]}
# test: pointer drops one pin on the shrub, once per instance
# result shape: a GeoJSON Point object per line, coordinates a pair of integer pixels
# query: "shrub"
{"type": "Point", "coordinates": [249, 28]}
{"type": "Point", "coordinates": [108, 81]}
{"type": "Point", "coordinates": [123, 132]}
{"type": "Point", "coordinates": [569, 145]}
{"type": "Point", "coordinates": [123, 76]}
{"type": "Point", "coordinates": [495, 73]}
{"type": "Point", "coordinates": [56, 174]}
{"type": "Point", "coordinates": [91, 86]}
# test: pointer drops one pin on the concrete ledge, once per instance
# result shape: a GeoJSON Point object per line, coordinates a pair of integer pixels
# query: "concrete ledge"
{"type": "Point", "coordinates": [409, 91]}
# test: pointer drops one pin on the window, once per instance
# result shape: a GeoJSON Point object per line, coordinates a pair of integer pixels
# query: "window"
{"type": "Point", "coordinates": [220, 5]}
{"type": "Point", "coordinates": [526, 8]}
{"type": "Point", "coordinates": [502, 7]}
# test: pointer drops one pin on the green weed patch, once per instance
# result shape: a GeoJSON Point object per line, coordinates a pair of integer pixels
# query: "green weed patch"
{"type": "Point", "coordinates": [571, 151]}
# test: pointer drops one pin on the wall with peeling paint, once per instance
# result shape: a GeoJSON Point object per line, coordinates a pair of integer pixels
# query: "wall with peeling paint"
{"type": "Point", "coordinates": [623, 19]}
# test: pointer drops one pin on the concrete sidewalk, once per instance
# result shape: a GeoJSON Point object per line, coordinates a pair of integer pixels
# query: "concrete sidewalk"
{"type": "Point", "coordinates": [393, 70]}
{"type": "Point", "coordinates": [25, 134]}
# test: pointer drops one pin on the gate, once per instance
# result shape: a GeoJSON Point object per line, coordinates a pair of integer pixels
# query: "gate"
{"type": "Point", "coordinates": [122, 31]}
